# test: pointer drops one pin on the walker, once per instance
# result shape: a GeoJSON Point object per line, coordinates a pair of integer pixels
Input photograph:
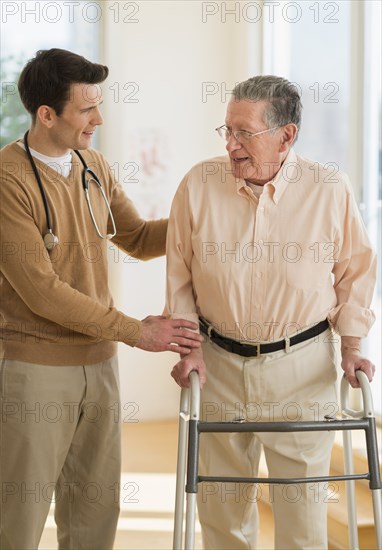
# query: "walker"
{"type": "Point", "coordinates": [188, 451]}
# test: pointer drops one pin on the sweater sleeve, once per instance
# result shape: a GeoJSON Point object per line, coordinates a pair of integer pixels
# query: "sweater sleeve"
{"type": "Point", "coordinates": [139, 238]}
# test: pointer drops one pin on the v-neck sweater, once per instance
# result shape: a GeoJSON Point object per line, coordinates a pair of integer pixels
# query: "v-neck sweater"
{"type": "Point", "coordinates": [56, 307]}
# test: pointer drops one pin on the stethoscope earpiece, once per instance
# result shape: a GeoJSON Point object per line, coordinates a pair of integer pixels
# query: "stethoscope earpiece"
{"type": "Point", "coordinates": [50, 240]}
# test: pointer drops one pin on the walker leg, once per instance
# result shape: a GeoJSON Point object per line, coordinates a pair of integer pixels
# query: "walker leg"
{"type": "Point", "coordinates": [181, 470]}
{"type": "Point", "coordinates": [350, 492]}
{"type": "Point", "coordinates": [192, 462]}
{"type": "Point", "coordinates": [190, 521]}
{"type": "Point", "coordinates": [377, 507]}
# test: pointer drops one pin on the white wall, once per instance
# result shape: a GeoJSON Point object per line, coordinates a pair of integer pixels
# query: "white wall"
{"type": "Point", "coordinates": [165, 60]}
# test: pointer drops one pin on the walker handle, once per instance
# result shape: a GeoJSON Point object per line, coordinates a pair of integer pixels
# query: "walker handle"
{"type": "Point", "coordinates": [368, 409]}
{"type": "Point", "coordinates": [195, 395]}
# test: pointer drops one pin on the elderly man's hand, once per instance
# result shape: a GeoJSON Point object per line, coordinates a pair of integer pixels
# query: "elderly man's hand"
{"type": "Point", "coordinates": [191, 362]}
{"type": "Point", "coordinates": [161, 334]}
{"type": "Point", "coordinates": [352, 360]}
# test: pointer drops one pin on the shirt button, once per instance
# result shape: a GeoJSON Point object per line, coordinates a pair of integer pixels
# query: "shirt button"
{"type": "Point", "coordinates": [259, 275]}
{"type": "Point", "coordinates": [258, 306]}
{"type": "Point", "coordinates": [261, 241]}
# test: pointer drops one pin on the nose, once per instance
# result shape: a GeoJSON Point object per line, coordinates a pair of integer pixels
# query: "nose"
{"type": "Point", "coordinates": [97, 117]}
{"type": "Point", "coordinates": [232, 144]}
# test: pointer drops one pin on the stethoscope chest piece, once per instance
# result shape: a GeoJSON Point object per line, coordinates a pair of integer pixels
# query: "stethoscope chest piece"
{"type": "Point", "coordinates": [50, 240]}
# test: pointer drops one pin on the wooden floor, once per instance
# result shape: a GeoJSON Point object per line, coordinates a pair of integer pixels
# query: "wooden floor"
{"type": "Point", "coordinates": [149, 456]}
{"type": "Point", "coordinates": [150, 447]}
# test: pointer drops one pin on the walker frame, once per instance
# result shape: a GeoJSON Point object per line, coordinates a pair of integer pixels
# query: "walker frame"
{"type": "Point", "coordinates": [190, 427]}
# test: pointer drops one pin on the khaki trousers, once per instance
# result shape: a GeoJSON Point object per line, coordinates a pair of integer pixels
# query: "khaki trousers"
{"type": "Point", "coordinates": [60, 442]}
{"type": "Point", "coordinates": [298, 385]}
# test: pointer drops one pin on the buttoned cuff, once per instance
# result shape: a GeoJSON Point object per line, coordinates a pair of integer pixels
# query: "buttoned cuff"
{"type": "Point", "coordinates": [351, 320]}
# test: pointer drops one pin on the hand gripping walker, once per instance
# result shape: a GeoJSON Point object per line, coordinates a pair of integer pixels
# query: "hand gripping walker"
{"type": "Point", "coordinates": [352, 420]}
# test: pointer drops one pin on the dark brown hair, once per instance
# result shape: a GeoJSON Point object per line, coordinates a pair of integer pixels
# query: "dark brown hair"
{"type": "Point", "coordinates": [46, 79]}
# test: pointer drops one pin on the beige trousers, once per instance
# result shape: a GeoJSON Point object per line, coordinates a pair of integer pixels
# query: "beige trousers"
{"type": "Point", "coordinates": [298, 385]}
{"type": "Point", "coordinates": [60, 442]}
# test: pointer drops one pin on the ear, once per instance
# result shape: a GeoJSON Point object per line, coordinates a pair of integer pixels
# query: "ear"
{"type": "Point", "coordinates": [288, 135]}
{"type": "Point", "coordinates": [46, 115]}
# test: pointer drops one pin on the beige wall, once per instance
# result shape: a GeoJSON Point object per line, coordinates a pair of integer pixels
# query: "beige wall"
{"type": "Point", "coordinates": [168, 61]}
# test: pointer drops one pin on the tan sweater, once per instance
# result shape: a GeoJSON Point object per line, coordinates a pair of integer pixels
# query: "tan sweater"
{"type": "Point", "coordinates": [56, 307]}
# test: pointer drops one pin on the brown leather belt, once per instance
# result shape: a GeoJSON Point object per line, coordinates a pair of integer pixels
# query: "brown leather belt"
{"type": "Point", "coordinates": [257, 349]}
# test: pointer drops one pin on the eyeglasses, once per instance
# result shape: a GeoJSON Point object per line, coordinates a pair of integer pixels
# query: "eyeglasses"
{"type": "Point", "coordinates": [242, 136]}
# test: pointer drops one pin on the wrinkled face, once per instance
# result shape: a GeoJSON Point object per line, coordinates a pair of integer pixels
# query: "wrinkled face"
{"type": "Point", "coordinates": [258, 158]}
{"type": "Point", "coordinates": [74, 128]}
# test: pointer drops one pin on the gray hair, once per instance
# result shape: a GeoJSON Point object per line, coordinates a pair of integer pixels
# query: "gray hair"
{"type": "Point", "coordinates": [283, 96]}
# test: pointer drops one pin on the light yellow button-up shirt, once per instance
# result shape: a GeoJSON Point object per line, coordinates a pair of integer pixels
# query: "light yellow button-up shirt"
{"type": "Point", "coordinates": [262, 269]}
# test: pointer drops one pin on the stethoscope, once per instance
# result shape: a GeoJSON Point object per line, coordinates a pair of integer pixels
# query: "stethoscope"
{"type": "Point", "coordinates": [50, 239]}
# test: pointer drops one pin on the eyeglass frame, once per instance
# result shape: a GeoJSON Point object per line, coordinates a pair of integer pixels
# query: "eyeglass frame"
{"type": "Point", "coordinates": [250, 134]}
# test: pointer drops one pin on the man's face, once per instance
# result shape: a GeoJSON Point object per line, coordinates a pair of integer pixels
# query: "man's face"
{"type": "Point", "coordinates": [258, 159]}
{"type": "Point", "coordinates": [75, 127]}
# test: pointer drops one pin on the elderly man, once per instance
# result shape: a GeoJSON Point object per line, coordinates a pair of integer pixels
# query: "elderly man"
{"type": "Point", "coordinates": [267, 249]}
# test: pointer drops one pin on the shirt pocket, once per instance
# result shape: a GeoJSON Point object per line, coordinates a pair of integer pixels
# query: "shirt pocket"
{"type": "Point", "coordinates": [307, 274]}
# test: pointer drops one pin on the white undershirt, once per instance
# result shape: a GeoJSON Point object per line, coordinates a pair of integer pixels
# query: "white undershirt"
{"type": "Point", "coordinates": [62, 165]}
{"type": "Point", "coordinates": [257, 189]}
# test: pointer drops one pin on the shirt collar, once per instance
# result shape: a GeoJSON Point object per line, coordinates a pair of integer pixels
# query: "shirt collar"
{"type": "Point", "coordinates": [285, 175]}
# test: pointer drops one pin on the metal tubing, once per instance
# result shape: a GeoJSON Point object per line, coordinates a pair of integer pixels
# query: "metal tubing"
{"type": "Point", "coordinates": [195, 396]}
{"type": "Point", "coordinates": [367, 398]}
{"type": "Point", "coordinates": [193, 436]}
{"type": "Point", "coordinates": [181, 468]}
{"type": "Point", "coordinates": [361, 420]}
{"type": "Point", "coordinates": [190, 521]}
{"type": "Point", "coordinates": [281, 480]}
{"type": "Point", "coordinates": [350, 492]}
{"type": "Point", "coordinates": [193, 457]}
{"type": "Point", "coordinates": [368, 409]}
{"type": "Point", "coordinates": [309, 426]}
{"type": "Point", "coordinates": [372, 455]}
{"type": "Point", "coordinates": [377, 508]}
